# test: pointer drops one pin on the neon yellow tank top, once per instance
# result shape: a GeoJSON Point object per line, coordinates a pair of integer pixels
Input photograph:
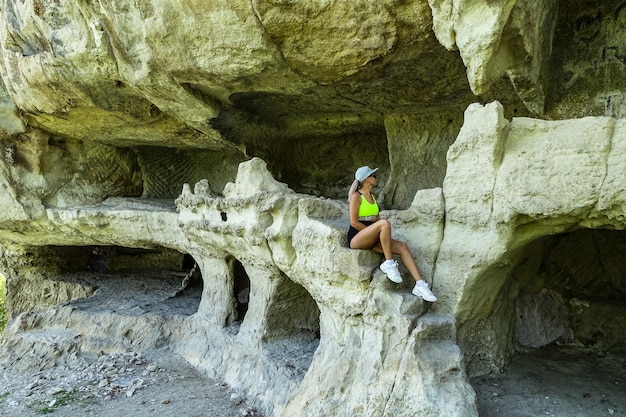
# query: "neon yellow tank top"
{"type": "Point", "coordinates": [366, 208]}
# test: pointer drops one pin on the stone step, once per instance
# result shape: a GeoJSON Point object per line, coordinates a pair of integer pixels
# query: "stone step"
{"type": "Point", "coordinates": [436, 326]}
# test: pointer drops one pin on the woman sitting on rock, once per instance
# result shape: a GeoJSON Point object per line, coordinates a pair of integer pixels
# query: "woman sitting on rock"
{"type": "Point", "coordinates": [369, 231]}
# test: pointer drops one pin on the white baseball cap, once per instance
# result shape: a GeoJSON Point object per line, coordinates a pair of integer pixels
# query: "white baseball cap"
{"type": "Point", "coordinates": [363, 173]}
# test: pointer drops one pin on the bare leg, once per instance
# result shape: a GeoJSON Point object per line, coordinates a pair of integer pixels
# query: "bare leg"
{"type": "Point", "coordinates": [402, 249]}
{"type": "Point", "coordinates": [369, 237]}
{"type": "Point", "coordinates": [421, 287]}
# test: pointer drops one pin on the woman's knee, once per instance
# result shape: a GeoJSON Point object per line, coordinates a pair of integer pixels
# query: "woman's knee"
{"type": "Point", "coordinates": [384, 224]}
{"type": "Point", "coordinates": [402, 247]}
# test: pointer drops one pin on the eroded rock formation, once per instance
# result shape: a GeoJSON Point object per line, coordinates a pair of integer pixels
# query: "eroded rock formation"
{"type": "Point", "coordinates": [212, 144]}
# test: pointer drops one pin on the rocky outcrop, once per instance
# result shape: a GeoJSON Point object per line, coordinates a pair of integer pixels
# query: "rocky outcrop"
{"type": "Point", "coordinates": [526, 190]}
{"type": "Point", "coordinates": [308, 295]}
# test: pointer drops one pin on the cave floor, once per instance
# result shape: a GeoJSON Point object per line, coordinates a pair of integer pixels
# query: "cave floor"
{"type": "Point", "coordinates": [135, 293]}
{"type": "Point", "coordinates": [153, 382]}
{"type": "Point", "coordinates": [555, 381]}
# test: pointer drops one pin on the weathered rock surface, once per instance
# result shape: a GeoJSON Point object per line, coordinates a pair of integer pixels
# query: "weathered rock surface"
{"type": "Point", "coordinates": [535, 190]}
{"type": "Point", "coordinates": [497, 127]}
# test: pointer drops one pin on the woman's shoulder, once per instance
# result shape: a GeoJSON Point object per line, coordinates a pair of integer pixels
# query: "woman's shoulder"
{"type": "Point", "coordinates": [356, 196]}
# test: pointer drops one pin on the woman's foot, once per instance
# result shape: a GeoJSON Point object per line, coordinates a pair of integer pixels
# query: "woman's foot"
{"type": "Point", "coordinates": [390, 267]}
{"type": "Point", "coordinates": [421, 290]}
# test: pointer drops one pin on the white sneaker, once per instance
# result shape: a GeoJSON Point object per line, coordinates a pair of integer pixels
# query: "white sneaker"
{"type": "Point", "coordinates": [421, 290]}
{"type": "Point", "coordinates": [391, 269]}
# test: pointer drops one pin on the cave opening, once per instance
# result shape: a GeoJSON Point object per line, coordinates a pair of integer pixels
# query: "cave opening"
{"type": "Point", "coordinates": [292, 333]}
{"type": "Point", "coordinates": [573, 291]}
{"type": "Point", "coordinates": [117, 279]}
{"type": "Point", "coordinates": [567, 325]}
{"type": "Point", "coordinates": [285, 316]}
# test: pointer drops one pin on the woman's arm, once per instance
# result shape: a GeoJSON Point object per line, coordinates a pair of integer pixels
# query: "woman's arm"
{"type": "Point", "coordinates": [377, 214]}
{"type": "Point", "coordinates": [355, 203]}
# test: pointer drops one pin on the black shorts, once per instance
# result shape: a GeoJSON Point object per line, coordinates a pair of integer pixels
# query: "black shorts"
{"type": "Point", "coordinates": [352, 231]}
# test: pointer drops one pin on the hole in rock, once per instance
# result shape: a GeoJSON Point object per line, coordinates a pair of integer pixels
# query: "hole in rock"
{"type": "Point", "coordinates": [241, 289]}
{"type": "Point", "coordinates": [121, 280]}
{"type": "Point", "coordinates": [573, 290]}
{"type": "Point", "coordinates": [292, 314]}
{"type": "Point", "coordinates": [569, 324]}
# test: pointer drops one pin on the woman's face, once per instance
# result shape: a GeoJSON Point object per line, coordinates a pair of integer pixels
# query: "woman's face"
{"type": "Point", "coordinates": [372, 179]}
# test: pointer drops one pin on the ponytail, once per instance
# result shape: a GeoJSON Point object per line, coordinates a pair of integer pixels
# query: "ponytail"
{"type": "Point", "coordinates": [353, 187]}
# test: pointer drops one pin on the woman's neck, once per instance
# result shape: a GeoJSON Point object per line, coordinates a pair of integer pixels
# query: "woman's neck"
{"type": "Point", "coordinates": [365, 190]}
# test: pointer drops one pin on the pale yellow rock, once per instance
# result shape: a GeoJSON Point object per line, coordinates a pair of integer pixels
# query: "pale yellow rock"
{"type": "Point", "coordinates": [532, 179]}
{"type": "Point", "coordinates": [257, 113]}
{"type": "Point", "coordinates": [506, 37]}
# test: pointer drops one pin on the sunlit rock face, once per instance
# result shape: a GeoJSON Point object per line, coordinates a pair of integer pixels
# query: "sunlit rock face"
{"type": "Point", "coordinates": [204, 150]}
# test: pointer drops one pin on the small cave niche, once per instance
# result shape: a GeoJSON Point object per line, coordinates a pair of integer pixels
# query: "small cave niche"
{"type": "Point", "coordinates": [124, 280]}
{"type": "Point", "coordinates": [567, 325]}
{"type": "Point", "coordinates": [165, 170]}
{"type": "Point", "coordinates": [292, 314]}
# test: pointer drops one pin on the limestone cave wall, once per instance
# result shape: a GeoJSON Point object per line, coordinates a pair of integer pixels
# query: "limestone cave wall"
{"type": "Point", "coordinates": [201, 152]}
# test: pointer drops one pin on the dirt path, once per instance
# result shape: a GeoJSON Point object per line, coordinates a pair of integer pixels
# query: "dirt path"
{"type": "Point", "coordinates": [549, 382]}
